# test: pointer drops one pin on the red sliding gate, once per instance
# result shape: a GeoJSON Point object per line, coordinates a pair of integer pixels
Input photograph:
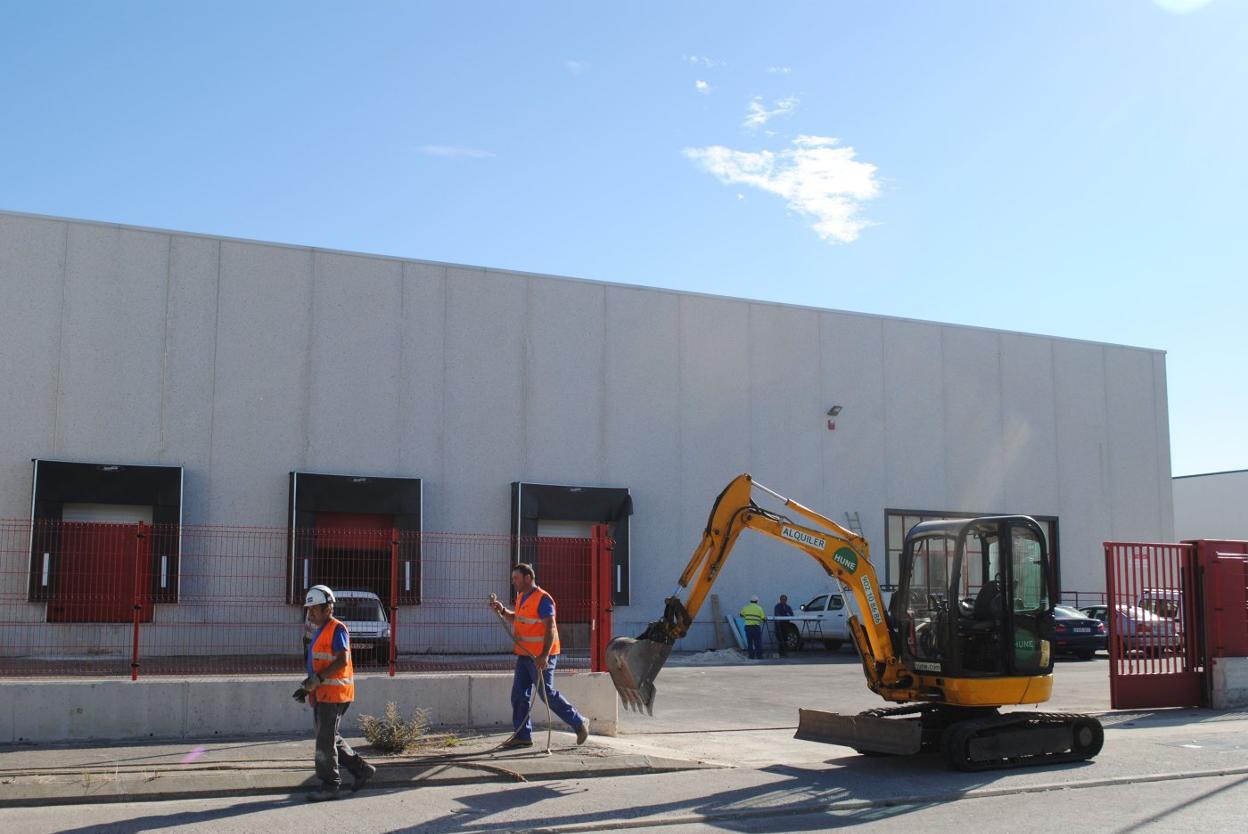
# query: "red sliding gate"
{"type": "Point", "coordinates": [1154, 625]}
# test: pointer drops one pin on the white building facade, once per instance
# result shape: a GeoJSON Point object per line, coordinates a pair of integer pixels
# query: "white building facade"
{"type": "Point", "coordinates": [243, 362]}
{"type": "Point", "coordinates": [1211, 506]}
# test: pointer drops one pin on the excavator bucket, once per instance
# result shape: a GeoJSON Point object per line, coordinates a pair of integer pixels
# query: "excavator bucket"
{"type": "Point", "coordinates": [864, 733]}
{"type": "Point", "coordinates": [634, 664]}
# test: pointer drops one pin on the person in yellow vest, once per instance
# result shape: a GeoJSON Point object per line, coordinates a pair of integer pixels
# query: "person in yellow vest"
{"type": "Point", "coordinates": [537, 651]}
{"type": "Point", "coordinates": [754, 616]}
{"type": "Point", "coordinates": [330, 689]}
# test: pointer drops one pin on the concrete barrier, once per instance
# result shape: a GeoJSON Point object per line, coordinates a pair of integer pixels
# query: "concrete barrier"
{"type": "Point", "coordinates": [1230, 682]}
{"type": "Point", "coordinates": [160, 708]}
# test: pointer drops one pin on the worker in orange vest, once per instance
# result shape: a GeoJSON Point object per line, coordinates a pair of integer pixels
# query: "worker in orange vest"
{"type": "Point", "coordinates": [536, 639]}
{"type": "Point", "coordinates": [330, 687]}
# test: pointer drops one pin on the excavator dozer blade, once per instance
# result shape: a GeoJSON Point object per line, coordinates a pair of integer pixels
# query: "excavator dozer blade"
{"type": "Point", "coordinates": [864, 733]}
{"type": "Point", "coordinates": [633, 665]}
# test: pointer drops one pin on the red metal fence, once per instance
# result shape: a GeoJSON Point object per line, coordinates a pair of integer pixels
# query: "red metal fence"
{"type": "Point", "coordinates": [112, 599]}
{"type": "Point", "coordinates": [1154, 625]}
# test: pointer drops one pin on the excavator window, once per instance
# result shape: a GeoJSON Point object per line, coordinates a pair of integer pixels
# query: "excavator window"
{"type": "Point", "coordinates": [926, 595]}
{"type": "Point", "coordinates": [981, 610]}
{"type": "Point", "coordinates": [1030, 600]}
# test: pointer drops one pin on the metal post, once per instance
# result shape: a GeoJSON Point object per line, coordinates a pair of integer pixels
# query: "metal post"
{"type": "Point", "coordinates": [394, 596]}
{"type": "Point", "coordinates": [601, 558]}
{"type": "Point", "coordinates": [596, 663]}
{"type": "Point", "coordinates": [140, 532]}
{"type": "Point", "coordinates": [1110, 624]}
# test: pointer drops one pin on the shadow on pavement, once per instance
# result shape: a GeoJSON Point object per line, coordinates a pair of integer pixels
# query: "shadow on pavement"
{"type": "Point", "coordinates": [164, 821]}
{"type": "Point", "coordinates": [878, 783]}
{"type": "Point", "coordinates": [1186, 805]}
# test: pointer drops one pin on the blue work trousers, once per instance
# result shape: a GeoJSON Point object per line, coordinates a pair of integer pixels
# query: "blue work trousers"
{"type": "Point", "coordinates": [754, 641]}
{"type": "Point", "coordinates": [522, 691]}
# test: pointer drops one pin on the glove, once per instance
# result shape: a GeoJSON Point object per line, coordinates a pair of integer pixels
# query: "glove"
{"type": "Point", "coordinates": [309, 685]}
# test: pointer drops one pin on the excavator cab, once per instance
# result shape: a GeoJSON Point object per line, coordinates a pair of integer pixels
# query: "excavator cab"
{"type": "Point", "coordinates": [973, 599]}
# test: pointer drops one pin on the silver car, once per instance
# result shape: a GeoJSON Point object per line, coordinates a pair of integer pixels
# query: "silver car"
{"type": "Point", "coordinates": [1143, 631]}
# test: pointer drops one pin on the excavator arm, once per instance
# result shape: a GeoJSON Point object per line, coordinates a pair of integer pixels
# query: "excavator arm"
{"type": "Point", "coordinates": [634, 663]}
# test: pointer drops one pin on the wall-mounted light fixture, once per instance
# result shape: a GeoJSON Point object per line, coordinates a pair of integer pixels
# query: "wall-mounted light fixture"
{"type": "Point", "coordinates": [832, 413]}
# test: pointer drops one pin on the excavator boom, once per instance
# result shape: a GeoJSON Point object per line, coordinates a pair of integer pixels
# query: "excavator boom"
{"type": "Point", "coordinates": [844, 555]}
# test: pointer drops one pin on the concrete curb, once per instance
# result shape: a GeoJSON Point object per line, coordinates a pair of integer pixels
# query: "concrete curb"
{"type": "Point", "coordinates": [52, 711]}
{"type": "Point", "coordinates": [100, 785]}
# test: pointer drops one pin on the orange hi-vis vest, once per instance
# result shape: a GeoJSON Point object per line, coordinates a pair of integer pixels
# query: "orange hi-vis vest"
{"type": "Point", "coordinates": [528, 629]}
{"type": "Point", "coordinates": [337, 687]}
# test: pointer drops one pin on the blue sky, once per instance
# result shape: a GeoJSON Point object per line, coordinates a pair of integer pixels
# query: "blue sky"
{"type": "Point", "coordinates": [1068, 168]}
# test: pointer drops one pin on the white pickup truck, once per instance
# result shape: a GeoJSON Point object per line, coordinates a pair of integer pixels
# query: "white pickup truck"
{"type": "Point", "coordinates": [825, 618]}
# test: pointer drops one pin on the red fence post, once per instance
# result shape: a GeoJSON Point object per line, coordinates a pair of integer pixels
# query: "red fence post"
{"type": "Point", "coordinates": [595, 546]}
{"type": "Point", "coordinates": [605, 572]}
{"type": "Point", "coordinates": [394, 597]}
{"type": "Point", "coordinates": [1111, 623]}
{"type": "Point", "coordinates": [140, 531]}
{"type": "Point", "coordinates": [600, 596]}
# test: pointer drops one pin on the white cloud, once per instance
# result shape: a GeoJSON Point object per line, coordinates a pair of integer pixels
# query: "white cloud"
{"type": "Point", "coordinates": [702, 61]}
{"type": "Point", "coordinates": [780, 70]}
{"type": "Point", "coordinates": [577, 67]}
{"type": "Point", "coordinates": [816, 178]}
{"type": "Point", "coordinates": [1182, 6]}
{"type": "Point", "coordinates": [757, 115]}
{"type": "Point", "coordinates": [702, 87]}
{"type": "Point", "coordinates": [454, 151]}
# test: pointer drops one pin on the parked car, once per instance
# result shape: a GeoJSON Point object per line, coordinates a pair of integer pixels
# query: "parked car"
{"type": "Point", "coordinates": [825, 618]}
{"type": "Point", "coordinates": [1097, 612]}
{"type": "Point", "coordinates": [1164, 602]}
{"type": "Point", "coordinates": [365, 619]}
{"type": "Point", "coordinates": [1139, 629]}
{"type": "Point", "coordinates": [1074, 632]}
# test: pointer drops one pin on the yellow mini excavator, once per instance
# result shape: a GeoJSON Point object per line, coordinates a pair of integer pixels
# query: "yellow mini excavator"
{"type": "Point", "coordinates": [967, 631]}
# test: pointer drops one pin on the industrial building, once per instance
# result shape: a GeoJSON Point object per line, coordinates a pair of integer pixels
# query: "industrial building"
{"type": "Point", "coordinates": [166, 376]}
{"type": "Point", "coordinates": [1211, 505]}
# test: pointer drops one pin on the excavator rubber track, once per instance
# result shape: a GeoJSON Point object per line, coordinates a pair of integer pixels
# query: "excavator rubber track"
{"type": "Point", "coordinates": [1021, 739]}
{"type": "Point", "coordinates": [969, 739]}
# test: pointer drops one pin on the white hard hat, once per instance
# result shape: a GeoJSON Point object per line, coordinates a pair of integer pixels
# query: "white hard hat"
{"type": "Point", "coordinates": [754, 598]}
{"type": "Point", "coordinates": [318, 595]}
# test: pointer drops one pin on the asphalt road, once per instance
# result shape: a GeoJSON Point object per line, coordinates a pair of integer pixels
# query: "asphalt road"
{"type": "Point", "coordinates": [768, 693]}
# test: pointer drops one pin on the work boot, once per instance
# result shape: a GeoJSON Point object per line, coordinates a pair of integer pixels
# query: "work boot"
{"type": "Point", "coordinates": [323, 794]}
{"type": "Point", "coordinates": [361, 780]}
{"type": "Point", "coordinates": [582, 732]}
{"type": "Point", "coordinates": [512, 743]}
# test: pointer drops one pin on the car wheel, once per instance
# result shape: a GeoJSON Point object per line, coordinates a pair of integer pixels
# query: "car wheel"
{"type": "Point", "coordinates": [792, 639]}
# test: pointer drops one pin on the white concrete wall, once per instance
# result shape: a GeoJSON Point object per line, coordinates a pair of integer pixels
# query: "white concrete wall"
{"type": "Point", "coordinates": [1213, 506]}
{"type": "Point", "coordinates": [37, 712]}
{"type": "Point", "coordinates": [242, 361]}
{"type": "Point", "coordinates": [1229, 688]}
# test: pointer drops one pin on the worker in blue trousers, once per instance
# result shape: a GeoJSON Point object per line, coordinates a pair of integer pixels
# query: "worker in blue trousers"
{"type": "Point", "coordinates": [536, 639]}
